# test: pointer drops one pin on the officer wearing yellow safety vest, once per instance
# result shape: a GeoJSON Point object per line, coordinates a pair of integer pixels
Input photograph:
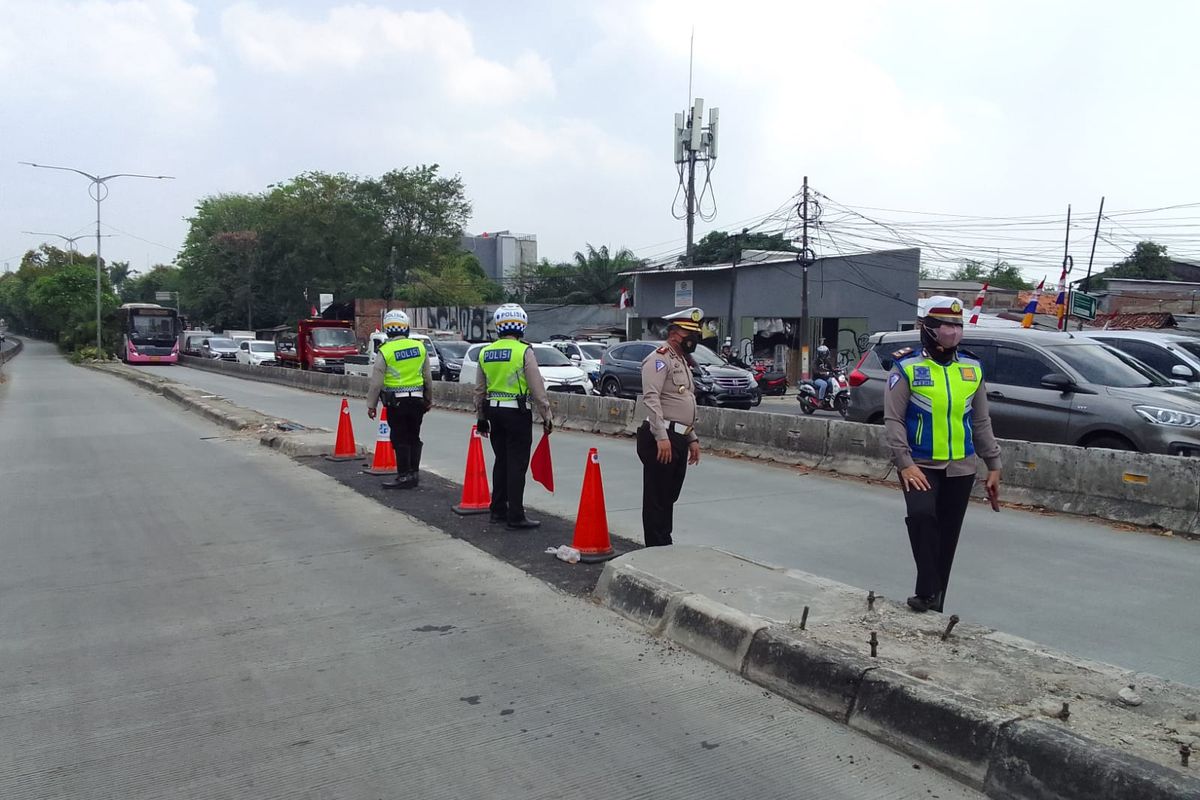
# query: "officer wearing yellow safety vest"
{"type": "Point", "coordinates": [508, 378]}
{"type": "Point", "coordinates": [402, 379]}
{"type": "Point", "coordinates": [937, 421]}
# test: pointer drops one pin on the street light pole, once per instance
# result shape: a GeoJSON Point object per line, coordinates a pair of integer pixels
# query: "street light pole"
{"type": "Point", "coordinates": [98, 191]}
{"type": "Point", "coordinates": [70, 240]}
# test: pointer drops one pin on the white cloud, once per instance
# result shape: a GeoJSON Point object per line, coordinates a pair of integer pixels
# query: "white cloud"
{"type": "Point", "coordinates": [143, 55]}
{"type": "Point", "coordinates": [410, 46]}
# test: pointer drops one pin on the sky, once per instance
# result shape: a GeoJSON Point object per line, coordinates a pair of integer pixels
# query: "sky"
{"type": "Point", "coordinates": [967, 127]}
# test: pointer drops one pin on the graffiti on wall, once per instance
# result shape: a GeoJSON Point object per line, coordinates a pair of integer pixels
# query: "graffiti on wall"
{"type": "Point", "coordinates": [473, 323]}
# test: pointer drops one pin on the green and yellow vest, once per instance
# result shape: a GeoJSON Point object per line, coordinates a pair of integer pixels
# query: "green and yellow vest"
{"type": "Point", "coordinates": [503, 365]}
{"type": "Point", "coordinates": [939, 408]}
{"type": "Point", "coordinates": [404, 361]}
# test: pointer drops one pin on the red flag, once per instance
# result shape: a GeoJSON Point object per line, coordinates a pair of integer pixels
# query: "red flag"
{"type": "Point", "coordinates": [313, 311]}
{"type": "Point", "coordinates": [540, 466]}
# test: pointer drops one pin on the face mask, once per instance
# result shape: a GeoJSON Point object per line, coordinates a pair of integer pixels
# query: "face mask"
{"type": "Point", "coordinates": [688, 345]}
{"type": "Point", "coordinates": [947, 336]}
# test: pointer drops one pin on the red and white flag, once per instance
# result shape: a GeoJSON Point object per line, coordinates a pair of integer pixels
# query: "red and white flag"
{"type": "Point", "coordinates": [624, 301]}
{"type": "Point", "coordinates": [313, 311]}
{"type": "Point", "coordinates": [978, 305]}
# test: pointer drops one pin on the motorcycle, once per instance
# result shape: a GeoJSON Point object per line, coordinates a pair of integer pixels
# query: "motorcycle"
{"type": "Point", "coordinates": [769, 383]}
{"type": "Point", "coordinates": [837, 395]}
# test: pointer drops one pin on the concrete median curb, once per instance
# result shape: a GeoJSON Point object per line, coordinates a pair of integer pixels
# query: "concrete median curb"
{"type": "Point", "coordinates": [296, 443]}
{"type": "Point", "coordinates": [980, 740]}
{"type": "Point", "coordinates": [1140, 489]}
{"type": "Point", "coordinates": [8, 354]}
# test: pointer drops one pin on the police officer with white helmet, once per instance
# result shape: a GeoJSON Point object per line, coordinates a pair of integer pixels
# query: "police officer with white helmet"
{"type": "Point", "coordinates": [507, 382]}
{"type": "Point", "coordinates": [401, 377]}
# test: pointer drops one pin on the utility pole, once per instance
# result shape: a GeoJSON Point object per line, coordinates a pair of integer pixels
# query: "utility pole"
{"type": "Point", "coordinates": [731, 332]}
{"type": "Point", "coordinates": [1096, 235]}
{"type": "Point", "coordinates": [695, 144]}
{"type": "Point", "coordinates": [392, 275]}
{"type": "Point", "coordinates": [805, 257]}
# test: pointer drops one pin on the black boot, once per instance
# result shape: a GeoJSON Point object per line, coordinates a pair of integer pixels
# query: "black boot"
{"type": "Point", "coordinates": [922, 604]}
{"type": "Point", "coordinates": [414, 464]}
{"type": "Point", "coordinates": [401, 481]}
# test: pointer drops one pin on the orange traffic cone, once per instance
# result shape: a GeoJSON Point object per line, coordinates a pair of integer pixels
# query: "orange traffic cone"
{"type": "Point", "coordinates": [385, 456]}
{"type": "Point", "coordinates": [476, 497]}
{"type": "Point", "coordinates": [344, 448]}
{"type": "Point", "coordinates": [591, 523]}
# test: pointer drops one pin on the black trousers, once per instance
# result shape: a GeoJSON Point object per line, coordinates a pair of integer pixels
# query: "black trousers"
{"type": "Point", "coordinates": [661, 484]}
{"type": "Point", "coordinates": [935, 518]}
{"type": "Point", "coordinates": [404, 419]}
{"type": "Point", "coordinates": [512, 439]}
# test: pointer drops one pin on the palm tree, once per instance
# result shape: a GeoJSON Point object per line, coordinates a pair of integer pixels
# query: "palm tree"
{"type": "Point", "coordinates": [596, 275]}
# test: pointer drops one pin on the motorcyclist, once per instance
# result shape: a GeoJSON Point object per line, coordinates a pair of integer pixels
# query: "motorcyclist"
{"type": "Point", "coordinates": [730, 358]}
{"type": "Point", "coordinates": [822, 372]}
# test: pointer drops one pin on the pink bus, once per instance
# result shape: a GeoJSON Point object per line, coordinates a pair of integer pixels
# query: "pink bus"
{"type": "Point", "coordinates": [149, 334]}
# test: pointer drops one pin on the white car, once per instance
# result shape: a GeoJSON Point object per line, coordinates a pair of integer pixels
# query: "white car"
{"type": "Point", "coordinates": [363, 364]}
{"type": "Point", "coordinates": [559, 372]}
{"type": "Point", "coordinates": [1175, 355]}
{"type": "Point", "coordinates": [256, 352]}
{"type": "Point", "coordinates": [586, 354]}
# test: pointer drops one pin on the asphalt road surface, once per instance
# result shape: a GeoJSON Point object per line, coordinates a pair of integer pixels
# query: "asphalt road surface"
{"type": "Point", "coordinates": [189, 615]}
{"type": "Point", "coordinates": [1088, 588]}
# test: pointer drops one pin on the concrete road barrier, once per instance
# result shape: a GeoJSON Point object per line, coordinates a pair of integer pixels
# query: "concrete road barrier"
{"type": "Point", "coordinates": [1135, 488]}
{"type": "Point", "coordinates": [969, 707]}
{"type": "Point", "coordinates": [11, 350]}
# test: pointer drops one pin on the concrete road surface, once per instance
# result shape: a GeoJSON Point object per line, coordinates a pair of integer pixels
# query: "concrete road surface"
{"type": "Point", "coordinates": [185, 614]}
{"type": "Point", "coordinates": [1121, 597]}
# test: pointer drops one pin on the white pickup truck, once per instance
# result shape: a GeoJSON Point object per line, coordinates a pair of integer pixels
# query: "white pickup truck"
{"type": "Point", "coordinates": [362, 364]}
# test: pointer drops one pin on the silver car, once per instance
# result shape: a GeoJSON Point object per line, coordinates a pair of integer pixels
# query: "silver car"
{"type": "Point", "coordinates": [1173, 354]}
{"type": "Point", "coordinates": [1054, 387]}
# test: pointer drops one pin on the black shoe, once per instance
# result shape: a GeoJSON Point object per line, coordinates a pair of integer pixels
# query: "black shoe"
{"type": "Point", "coordinates": [497, 519]}
{"type": "Point", "coordinates": [922, 604]}
{"type": "Point", "coordinates": [415, 479]}
{"type": "Point", "coordinates": [523, 524]}
{"type": "Point", "coordinates": [398, 483]}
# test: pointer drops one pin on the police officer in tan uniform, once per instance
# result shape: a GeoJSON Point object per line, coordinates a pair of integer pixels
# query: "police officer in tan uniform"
{"type": "Point", "coordinates": [667, 441]}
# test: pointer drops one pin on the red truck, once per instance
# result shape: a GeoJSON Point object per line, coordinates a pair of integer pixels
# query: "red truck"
{"type": "Point", "coordinates": [318, 344]}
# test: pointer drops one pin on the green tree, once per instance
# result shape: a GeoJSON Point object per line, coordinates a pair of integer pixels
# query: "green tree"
{"type": "Point", "coordinates": [1149, 261]}
{"type": "Point", "coordinates": [142, 288]}
{"type": "Point", "coordinates": [1000, 275]}
{"type": "Point", "coordinates": [52, 298]}
{"type": "Point", "coordinates": [592, 277]}
{"type": "Point", "coordinates": [459, 280]}
{"type": "Point", "coordinates": [718, 247]}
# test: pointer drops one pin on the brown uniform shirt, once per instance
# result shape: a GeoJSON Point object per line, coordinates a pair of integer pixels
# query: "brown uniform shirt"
{"type": "Point", "coordinates": [669, 392]}
{"type": "Point", "coordinates": [895, 410]}
{"type": "Point", "coordinates": [533, 379]}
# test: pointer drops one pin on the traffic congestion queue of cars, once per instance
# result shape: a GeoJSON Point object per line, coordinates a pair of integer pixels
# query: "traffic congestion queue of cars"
{"type": "Point", "coordinates": [1120, 390]}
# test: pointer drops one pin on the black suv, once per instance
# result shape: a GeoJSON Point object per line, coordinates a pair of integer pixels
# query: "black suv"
{"type": "Point", "coordinates": [1044, 386]}
{"type": "Point", "coordinates": [717, 383]}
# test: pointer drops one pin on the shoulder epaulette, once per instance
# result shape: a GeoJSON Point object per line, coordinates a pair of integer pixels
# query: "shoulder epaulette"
{"type": "Point", "coordinates": [901, 353]}
{"type": "Point", "coordinates": [662, 349]}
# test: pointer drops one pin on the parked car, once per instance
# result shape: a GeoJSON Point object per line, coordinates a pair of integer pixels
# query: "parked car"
{"type": "Point", "coordinates": [1173, 354]}
{"type": "Point", "coordinates": [717, 383]}
{"type": "Point", "coordinates": [256, 352]}
{"type": "Point", "coordinates": [435, 363]}
{"type": "Point", "coordinates": [192, 341]}
{"type": "Point", "coordinates": [586, 354]}
{"type": "Point", "coordinates": [219, 347]}
{"type": "Point", "coordinates": [1054, 387]}
{"type": "Point", "coordinates": [451, 354]}
{"type": "Point", "coordinates": [558, 372]}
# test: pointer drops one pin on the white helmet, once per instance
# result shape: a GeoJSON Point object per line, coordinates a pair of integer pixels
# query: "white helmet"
{"type": "Point", "coordinates": [822, 349]}
{"type": "Point", "coordinates": [510, 318]}
{"type": "Point", "coordinates": [395, 323]}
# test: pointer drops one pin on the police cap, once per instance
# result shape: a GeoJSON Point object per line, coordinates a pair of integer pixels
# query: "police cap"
{"type": "Point", "coordinates": [688, 319]}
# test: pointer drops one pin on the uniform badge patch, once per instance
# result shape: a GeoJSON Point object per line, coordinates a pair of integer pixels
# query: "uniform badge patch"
{"type": "Point", "coordinates": [922, 376]}
{"type": "Point", "coordinates": [659, 366]}
{"type": "Point", "coordinates": [893, 380]}
{"type": "Point", "coordinates": [968, 373]}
